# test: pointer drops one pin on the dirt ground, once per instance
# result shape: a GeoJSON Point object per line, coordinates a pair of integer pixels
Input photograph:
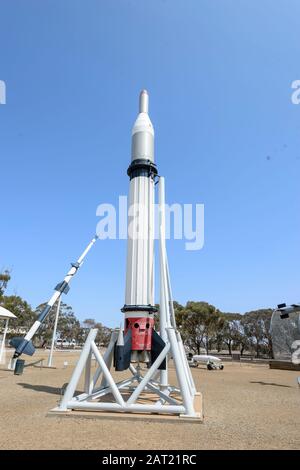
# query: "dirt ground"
{"type": "Point", "coordinates": [245, 406]}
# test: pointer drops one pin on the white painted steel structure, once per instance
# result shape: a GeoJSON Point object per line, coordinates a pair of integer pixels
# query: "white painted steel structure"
{"type": "Point", "coordinates": [50, 357]}
{"type": "Point", "coordinates": [170, 399]}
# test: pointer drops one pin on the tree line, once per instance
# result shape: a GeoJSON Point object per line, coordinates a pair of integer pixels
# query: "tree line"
{"type": "Point", "coordinates": [68, 327]}
{"type": "Point", "coordinates": [203, 327]}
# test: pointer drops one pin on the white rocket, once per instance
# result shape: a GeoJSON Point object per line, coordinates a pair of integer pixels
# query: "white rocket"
{"type": "Point", "coordinates": [141, 342]}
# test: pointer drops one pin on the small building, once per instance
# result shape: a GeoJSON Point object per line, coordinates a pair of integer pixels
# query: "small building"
{"type": "Point", "coordinates": [5, 315]}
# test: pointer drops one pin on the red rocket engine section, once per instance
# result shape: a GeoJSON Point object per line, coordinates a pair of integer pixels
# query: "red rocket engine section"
{"type": "Point", "coordinates": [141, 333]}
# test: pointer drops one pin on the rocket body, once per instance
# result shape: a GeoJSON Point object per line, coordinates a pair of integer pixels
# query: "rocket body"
{"type": "Point", "coordinates": [139, 305]}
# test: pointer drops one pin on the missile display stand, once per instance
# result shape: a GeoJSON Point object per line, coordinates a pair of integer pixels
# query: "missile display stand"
{"type": "Point", "coordinates": [146, 391]}
{"type": "Point", "coordinates": [25, 345]}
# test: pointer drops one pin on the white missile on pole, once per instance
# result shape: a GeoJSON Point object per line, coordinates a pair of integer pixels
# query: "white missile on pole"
{"type": "Point", "coordinates": [24, 345]}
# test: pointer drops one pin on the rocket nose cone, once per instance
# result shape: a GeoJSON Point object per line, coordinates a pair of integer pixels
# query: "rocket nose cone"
{"type": "Point", "coordinates": [143, 122]}
{"type": "Point", "coordinates": [144, 101]}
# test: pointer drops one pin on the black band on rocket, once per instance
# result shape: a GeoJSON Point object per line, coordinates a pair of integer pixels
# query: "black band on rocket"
{"type": "Point", "coordinates": [141, 167]}
{"type": "Point", "coordinates": [62, 287]}
{"type": "Point", "coordinates": [139, 308]}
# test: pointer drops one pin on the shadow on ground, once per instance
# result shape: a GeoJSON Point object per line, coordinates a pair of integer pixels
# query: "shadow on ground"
{"type": "Point", "coordinates": [272, 384]}
{"type": "Point", "coordinates": [47, 388]}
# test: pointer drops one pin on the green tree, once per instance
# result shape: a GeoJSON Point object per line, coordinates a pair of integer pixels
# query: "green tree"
{"type": "Point", "coordinates": [257, 329]}
{"type": "Point", "coordinates": [89, 323]}
{"type": "Point", "coordinates": [104, 333]}
{"type": "Point", "coordinates": [22, 310]}
{"type": "Point", "coordinates": [4, 279]}
{"type": "Point", "coordinates": [230, 331]}
{"type": "Point", "coordinates": [68, 326]}
{"type": "Point", "coordinates": [199, 322]}
{"type": "Point", "coordinates": [178, 308]}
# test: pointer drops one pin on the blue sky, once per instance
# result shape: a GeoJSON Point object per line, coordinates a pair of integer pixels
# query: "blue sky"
{"type": "Point", "coordinates": [219, 75]}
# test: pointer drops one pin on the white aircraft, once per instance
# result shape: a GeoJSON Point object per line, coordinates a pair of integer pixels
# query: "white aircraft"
{"type": "Point", "coordinates": [212, 362]}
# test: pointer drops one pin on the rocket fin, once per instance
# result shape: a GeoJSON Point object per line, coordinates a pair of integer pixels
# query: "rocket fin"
{"type": "Point", "coordinates": [122, 353]}
{"type": "Point", "coordinates": [25, 347]}
{"type": "Point", "coordinates": [157, 346]}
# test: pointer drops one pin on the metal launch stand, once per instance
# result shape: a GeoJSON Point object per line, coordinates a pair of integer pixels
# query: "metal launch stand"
{"type": "Point", "coordinates": [141, 393]}
{"type": "Point", "coordinates": [139, 343]}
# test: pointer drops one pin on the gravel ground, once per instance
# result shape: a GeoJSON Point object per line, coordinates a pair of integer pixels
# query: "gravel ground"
{"type": "Point", "coordinates": [245, 407]}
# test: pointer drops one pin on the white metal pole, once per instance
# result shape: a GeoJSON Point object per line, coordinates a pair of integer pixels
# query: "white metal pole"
{"type": "Point", "coordinates": [185, 365]}
{"type": "Point", "coordinates": [87, 378]}
{"type": "Point", "coordinates": [3, 339]}
{"type": "Point", "coordinates": [181, 376]}
{"type": "Point", "coordinates": [108, 376]}
{"type": "Point", "coordinates": [54, 333]}
{"type": "Point", "coordinates": [68, 395]}
{"type": "Point", "coordinates": [135, 408]}
{"type": "Point", "coordinates": [172, 312]}
{"type": "Point", "coordinates": [108, 356]}
{"type": "Point", "coordinates": [163, 306]}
